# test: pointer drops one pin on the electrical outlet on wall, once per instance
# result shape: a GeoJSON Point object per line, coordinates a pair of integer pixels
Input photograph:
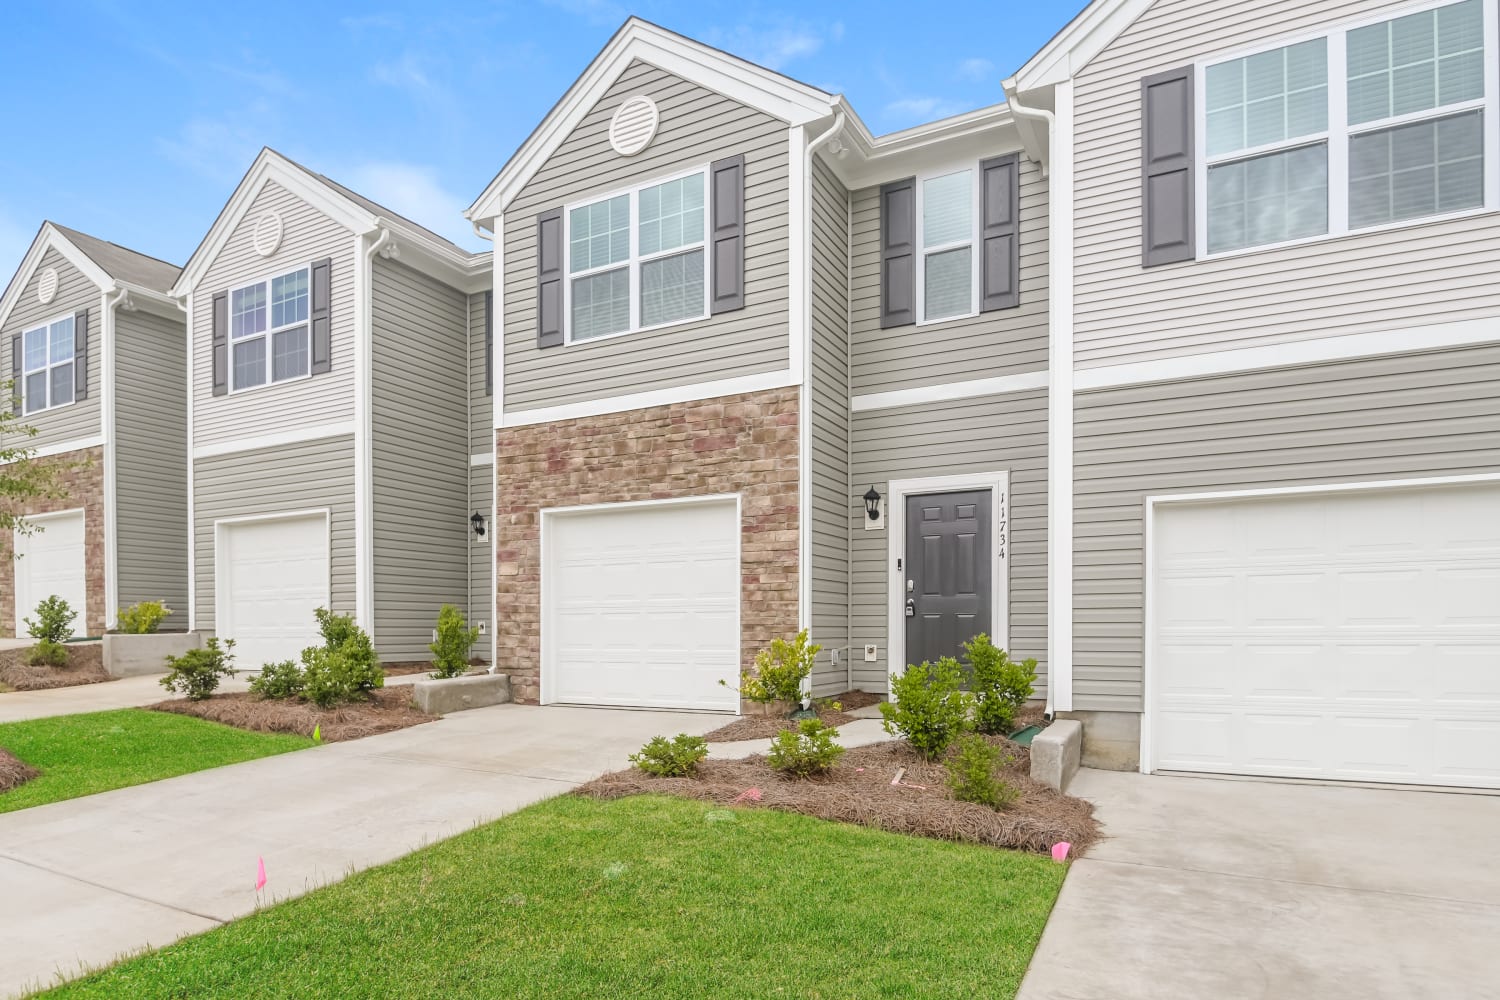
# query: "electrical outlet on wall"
{"type": "Point", "coordinates": [833, 657]}
{"type": "Point", "coordinates": [872, 653]}
{"type": "Point", "coordinates": [481, 626]}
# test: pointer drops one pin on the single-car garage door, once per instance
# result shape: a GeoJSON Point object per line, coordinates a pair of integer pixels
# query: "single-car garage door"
{"type": "Point", "coordinates": [640, 605]}
{"type": "Point", "coordinates": [1351, 636]}
{"type": "Point", "coordinates": [272, 574]}
{"type": "Point", "coordinates": [52, 561]}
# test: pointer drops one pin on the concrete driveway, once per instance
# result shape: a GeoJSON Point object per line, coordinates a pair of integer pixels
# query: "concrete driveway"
{"type": "Point", "coordinates": [1226, 889]}
{"type": "Point", "coordinates": [84, 881]}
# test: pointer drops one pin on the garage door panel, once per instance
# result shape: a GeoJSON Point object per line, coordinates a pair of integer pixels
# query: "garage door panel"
{"type": "Point", "coordinates": [1466, 751]}
{"type": "Point", "coordinates": [1279, 672]}
{"type": "Point", "coordinates": [1284, 741]}
{"type": "Point", "coordinates": [1292, 533]}
{"type": "Point", "coordinates": [1465, 676]}
{"type": "Point", "coordinates": [1380, 598]}
{"type": "Point", "coordinates": [1281, 599]}
{"type": "Point", "coordinates": [1375, 748]}
{"type": "Point", "coordinates": [1468, 597]}
{"type": "Point", "coordinates": [1197, 602]}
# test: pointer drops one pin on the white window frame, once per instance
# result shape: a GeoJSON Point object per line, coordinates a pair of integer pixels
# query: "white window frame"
{"type": "Point", "coordinates": [635, 260]}
{"type": "Point", "coordinates": [923, 251]}
{"type": "Point", "coordinates": [268, 332]}
{"type": "Point", "coordinates": [1339, 131]}
{"type": "Point", "coordinates": [47, 328]}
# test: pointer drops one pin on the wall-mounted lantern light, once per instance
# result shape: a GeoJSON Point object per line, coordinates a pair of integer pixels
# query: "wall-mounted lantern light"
{"type": "Point", "coordinates": [477, 523]}
{"type": "Point", "coordinates": [872, 503]}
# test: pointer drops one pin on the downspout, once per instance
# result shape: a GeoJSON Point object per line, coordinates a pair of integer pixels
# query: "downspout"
{"type": "Point", "coordinates": [364, 493]}
{"type": "Point", "coordinates": [112, 300]}
{"type": "Point", "coordinates": [469, 440]}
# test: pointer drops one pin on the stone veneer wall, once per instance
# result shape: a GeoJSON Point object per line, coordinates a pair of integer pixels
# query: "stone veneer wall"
{"type": "Point", "coordinates": [745, 444]}
{"type": "Point", "coordinates": [84, 486]}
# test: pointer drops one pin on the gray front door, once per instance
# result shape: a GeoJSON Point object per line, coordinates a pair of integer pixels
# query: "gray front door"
{"type": "Point", "coordinates": [949, 572]}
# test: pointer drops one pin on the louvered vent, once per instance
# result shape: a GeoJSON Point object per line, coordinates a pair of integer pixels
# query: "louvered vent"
{"type": "Point", "coordinates": [46, 289]}
{"type": "Point", "coordinates": [267, 236]}
{"type": "Point", "coordinates": [633, 126]}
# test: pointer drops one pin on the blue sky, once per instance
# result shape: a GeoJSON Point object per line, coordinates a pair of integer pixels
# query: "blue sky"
{"type": "Point", "coordinates": [133, 120]}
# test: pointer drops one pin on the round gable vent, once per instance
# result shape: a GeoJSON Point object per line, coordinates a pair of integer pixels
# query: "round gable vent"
{"type": "Point", "coordinates": [267, 234]}
{"type": "Point", "coordinates": [634, 125]}
{"type": "Point", "coordinates": [46, 289]}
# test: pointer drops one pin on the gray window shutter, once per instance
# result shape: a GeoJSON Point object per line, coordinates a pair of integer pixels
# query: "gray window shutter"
{"type": "Point", "coordinates": [81, 354]}
{"type": "Point", "coordinates": [1167, 229]}
{"type": "Point", "coordinates": [221, 343]}
{"type": "Point", "coordinates": [15, 374]}
{"type": "Point", "coordinates": [489, 343]}
{"type": "Point", "coordinates": [1000, 233]}
{"type": "Point", "coordinates": [320, 315]}
{"type": "Point", "coordinates": [549, 279]}
{"type": "Point", "coordinates": [898, 252]}
{"type": "Point", "coordinates": [727, 235]}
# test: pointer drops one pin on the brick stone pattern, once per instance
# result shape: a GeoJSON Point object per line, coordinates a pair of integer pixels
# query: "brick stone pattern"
{"type": "Point", "coordinates": [84, 485]}
{"type": "Point", "coordinates": [745, 444]}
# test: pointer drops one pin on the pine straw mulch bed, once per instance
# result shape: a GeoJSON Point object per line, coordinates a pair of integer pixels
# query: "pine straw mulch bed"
{"type": "Point", "coordinates": [85, 666]}
{"type": "Point", "coordinates": [763, 727]}
{"type": "Point", "coordinates": [859, 790]}
{"type": "Point", "coordinates": [14, 772]}
{"type": "Point", "coordinates": [421, 667]}
{"type": "Point", "coordinates": [387, 710]}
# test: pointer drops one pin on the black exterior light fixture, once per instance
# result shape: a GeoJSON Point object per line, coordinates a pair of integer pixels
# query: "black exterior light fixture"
{"type": "Point", "coordinates": [872, 503]}
{"type": "Point", "coordinates": [477, 523]}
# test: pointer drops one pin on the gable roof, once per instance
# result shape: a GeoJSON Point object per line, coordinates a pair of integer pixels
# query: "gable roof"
{"type": "Point", "coordinates": [123, 263]}
{"type": "Point", "coordinates": [755, 86]}
{"type": "Point", "coordinates": [108, 265]}
{"type": "Point", "coordinates": [1079, 41]}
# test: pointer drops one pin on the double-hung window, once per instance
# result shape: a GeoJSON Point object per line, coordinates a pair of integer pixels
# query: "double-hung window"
{"type": "Point", "coordinates": [47, 365]}
{"type": "Point", "coordinates": [946, 281]}
{"type": "Point", "coordinates": [1380, 123]}
{"type": "Point", "coordinates": [268, 330]}
{"type": "Point", "coordinates": [638, 260]}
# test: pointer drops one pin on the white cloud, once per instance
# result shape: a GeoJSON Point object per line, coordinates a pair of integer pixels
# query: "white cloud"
{"type": "Point", "coordinates": [416, 192]}
{"type": "Point", "coordinates": [218, 148]}
{"type": "Point", "coordinates": [975, 70]}
{"type": "Point", "coordinates": [406, 73]}
{"type": "Point", "coordinates": [776, 44]}
{"type": "Point", "coordinates": [917, 110]}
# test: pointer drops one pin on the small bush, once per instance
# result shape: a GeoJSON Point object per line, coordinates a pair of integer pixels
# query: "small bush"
{"type": "Point", "coordinates": [450, 653]}
{"type": "Point", "coordinates": [805, 751]}
{"type": "Point", "coordinates": [143, 618]}
{"type": "Point", "coordinates": [278, 680]}
{"type": "Point", "coordinates": [927, 707]}
{"type": "Point", "coordinates": [1000, 685]}
{"type": "Point", "coordinates": [54, 620]}
{"type": "Point", "coordinates": [674, 758]}
{"type": "Point", "coordinates": [334, 676]}
{"type": "Point", "coordinates": [780, 670]}
{"type": "Point", "coordinates": [197, 673]}
{"type": "Point", "coordinates": [47, 654]}
{"type": "Point", "coordinates": [335, 629]}
{"type": "Point", "coordinates": [972, 774]}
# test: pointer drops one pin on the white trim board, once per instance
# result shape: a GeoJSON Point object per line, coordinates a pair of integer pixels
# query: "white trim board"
{"type": "Point", "coordinates": [642, 400]}
{"type": "Point", "coordinates": [1152, 501]}
{"type": "Point", "coordinates": [1300, 352]}
{"type": "Point", "coordinates": [310, 432]}
{"type": "Point", "coordinates": [49, 238]}
{"type": "Point", "coordinates": [897, 490]}
{"type": "Point", "coordinates": [61, 448]}
{"type": "Point", "coordinates": [481, 459]}
{"type": "Point", "coordinates": [999, 385]}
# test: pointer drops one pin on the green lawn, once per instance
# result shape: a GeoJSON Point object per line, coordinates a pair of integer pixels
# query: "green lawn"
{"type": "Point", "coordinates": [641, 897]}
{"type": "Point", "coordinates": [84, 754]}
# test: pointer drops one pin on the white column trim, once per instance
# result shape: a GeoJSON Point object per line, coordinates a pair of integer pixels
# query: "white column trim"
{"type": "Point", "coordinates": [1060, 405]}
{"type": "Point", "coordinates": [364, 548]}
{"type": "Point", "coordinates": [192, 505]}
{"type": "Point", "coordinates": [108, 302]}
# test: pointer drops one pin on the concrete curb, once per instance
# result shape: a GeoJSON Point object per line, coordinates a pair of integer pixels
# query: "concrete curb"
{"type": "Point", "coordinates": [458, 693]}
{"type": "Point", "coordinates": [1055, 753]}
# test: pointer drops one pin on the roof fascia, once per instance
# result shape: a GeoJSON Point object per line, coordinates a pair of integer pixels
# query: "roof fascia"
{"type": "Point", "coordinates": [49, 238]}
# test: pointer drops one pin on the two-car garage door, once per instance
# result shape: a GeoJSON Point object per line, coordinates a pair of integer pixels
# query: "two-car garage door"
{"type": "Point", "coordinates": [1349, 635]}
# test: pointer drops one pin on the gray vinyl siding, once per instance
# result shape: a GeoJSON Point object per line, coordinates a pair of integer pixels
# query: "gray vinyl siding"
{"type": "Point", "coordinates": [419, 456]}
{"type": "Point", "coordinates": [1435, 272]}
{"type": "Point", "coordinates": [1393, 417]}
{"type": "Point", "coordinates": [481, 405]}
{"type": "Point", "coordinates": [151, 525]}
{"type": "Point", "coordinates": [989, 345]}
{"type": "Point", "coordinates": [697, 127]}
{"type": "Point", "coordinates": [308, 235]}
{"type": "Point", "coordinates": [984, 434]}
{"type": "Point", "coordinates": [830, 427]}
{"type": "Point", "coordinates": [74, 292]}
{"type": "Point", "coordinates": [481, 605]}
{"type": "Point", "coordinates": [306, 476]}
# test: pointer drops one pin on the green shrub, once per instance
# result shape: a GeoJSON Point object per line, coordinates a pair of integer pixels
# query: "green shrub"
{"type": "Point", "coordinates": [283, 679]}
{"type": "Point", "coordinates": [972, 774]}
{"type": "Point", "coordinates": [780, 670]}
{"type": "Point", "coordinates": [335, 676]}
{"type": "Point", "coordinates": [807, 750]}
{"type": "Point", "coordinates": [197, 673]}
{"type": "Point", "coordinates": [450, 653]}
{"type": "Point", "coordinates": [927, 708]}
{"type": "Point", "coordinates": [1000, 685]}
{"type": "Point", "coordinates": [143, 618]}
{"type": "Point", "coordinates": [335, 629]}
{"type": "Point", "coordinates": [672, 758]}
{"type": "Point", "coordinates": [54, 620]}
{"type": "Point", "coordinates": [47, 654]}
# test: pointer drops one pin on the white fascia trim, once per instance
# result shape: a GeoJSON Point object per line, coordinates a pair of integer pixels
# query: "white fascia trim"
{"type": "Point", "coordinates": [999, 385]}
{"type": "Point", "coordinates": [480, 459]}
{"type": "Point", "coordinates": [365, 249]}
{"type": "Point", "coordinates": [310, 432]}
{"type": "Point", "coordinates": [61, 448]}
{"type": "Point", "coordinates": [745, 82]}
{"type": "Point", "coordinates": [644, 400]}
{"type": "Point", "coordinates": [192, 505]}
{"type": "Point", "coordinates": [1060, 404]}
{"type": "Point", "coordinates": [48, 238]}
{"type": "Point", "coordinates": [1099, 24]}
{"type": "Point", "coordinates": [1302, 352]}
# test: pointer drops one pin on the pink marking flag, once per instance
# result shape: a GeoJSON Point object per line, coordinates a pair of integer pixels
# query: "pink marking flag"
{"type": "Point", "coordinates": [1060, 851]}
{"type": "Point", "coordinates": [748, 795]}
{"type": "Point", "coordinates": [260, 874]}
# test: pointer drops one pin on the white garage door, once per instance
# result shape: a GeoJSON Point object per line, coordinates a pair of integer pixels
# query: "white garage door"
{"type": "Point", "coordinates": [641, 606]}
{"type": "Point", "coordinates": [1350, 636]}
{"type": "Point", "coordinates": [272, 575]}
{"type": "Point", "coordinates": [49, 562]}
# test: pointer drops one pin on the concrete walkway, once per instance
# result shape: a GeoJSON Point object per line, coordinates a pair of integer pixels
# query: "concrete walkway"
{"type": "Point", "coordinates": [1255, 889]}
{"type": "Point", "coordinates": [85, 881]}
